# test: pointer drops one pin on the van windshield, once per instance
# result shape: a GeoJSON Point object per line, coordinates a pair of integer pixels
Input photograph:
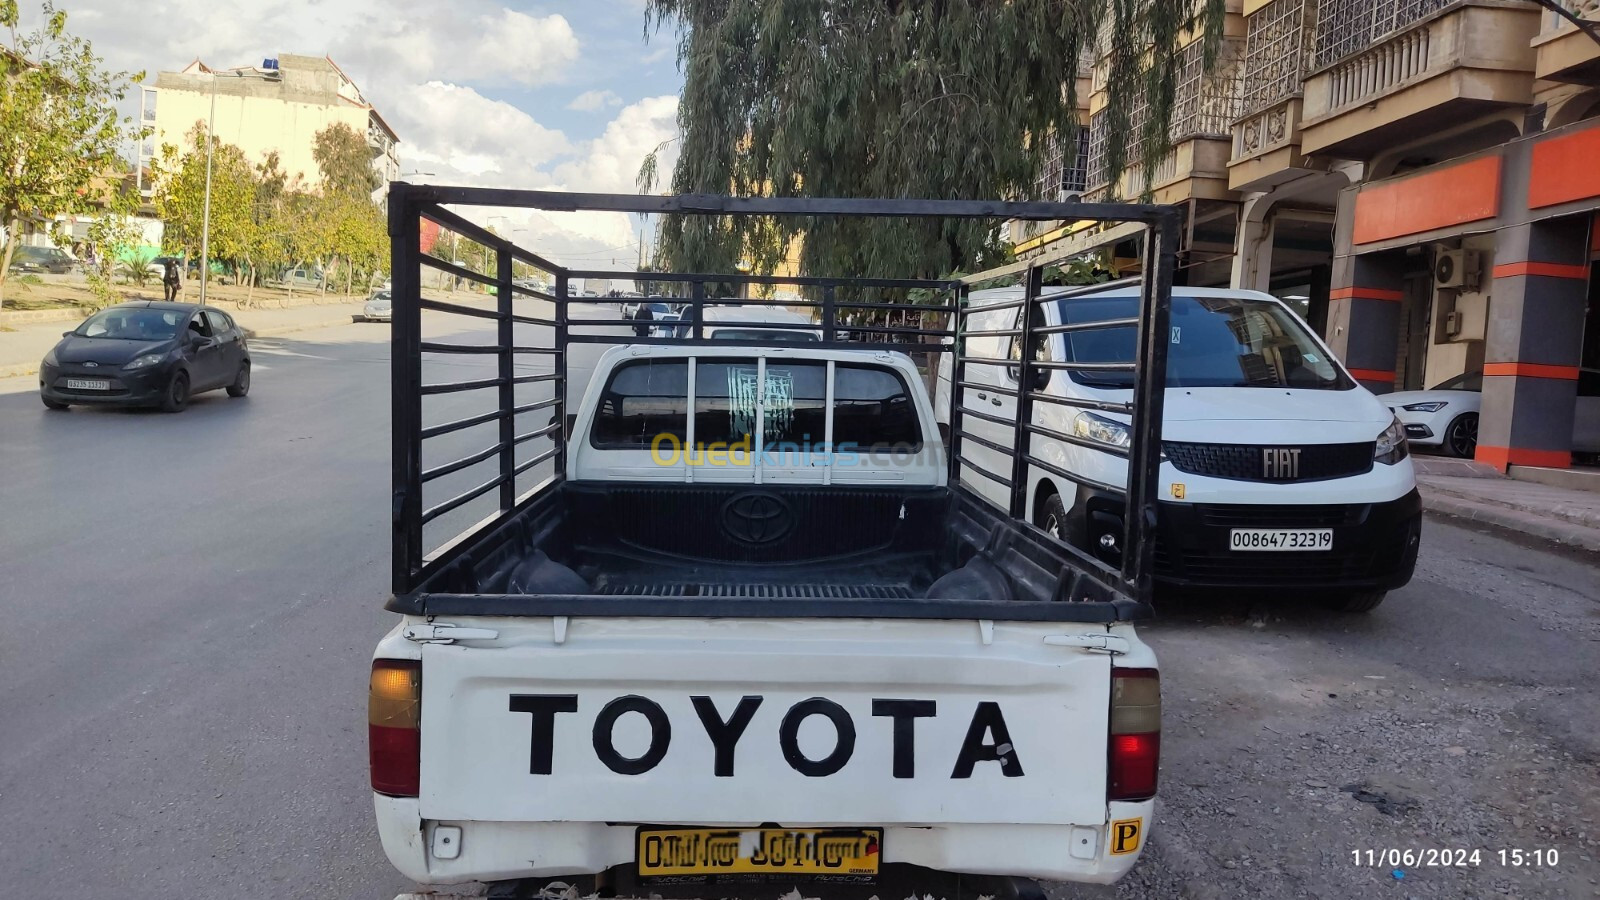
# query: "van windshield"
{"type": "Point", "coordinates": [1213, 342]}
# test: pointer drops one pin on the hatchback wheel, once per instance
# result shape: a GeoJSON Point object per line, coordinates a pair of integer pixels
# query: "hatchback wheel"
{"type": "Point", "coordinates": [1461, 438]}
{"type": "Point", "coordinates": [241, 382]}
{"type": "Point", "coordinates": [52, 404]}
{"type": "Point", "coordinates": [177, 396]}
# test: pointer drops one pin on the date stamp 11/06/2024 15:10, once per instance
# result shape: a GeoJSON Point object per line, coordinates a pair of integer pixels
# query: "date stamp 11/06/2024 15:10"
{"type": "Point", "coordinates": [1441, 857]}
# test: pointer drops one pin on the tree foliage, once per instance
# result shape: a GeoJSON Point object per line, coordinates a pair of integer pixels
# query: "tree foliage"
{"type": "Point", "coordinates": [263, 221]}
{"type": "Point", "coordinates": [891, 98]}
{"type": "Point", "coordinates": [180, 198]}
{"type": "Point", "coordinates": [59, 126]}
{"type": "Point", "coordinates": [346, 162]}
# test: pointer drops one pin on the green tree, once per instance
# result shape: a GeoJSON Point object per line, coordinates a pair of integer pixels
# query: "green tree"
{"type": "Point", "coordinates": [180, 179]}
{"type": "Point", "coordinates": [345, 161]}
{"type": "Point", "coordinates": [893, 98]}
{"type": "Point", "coordinates": [59, 126]}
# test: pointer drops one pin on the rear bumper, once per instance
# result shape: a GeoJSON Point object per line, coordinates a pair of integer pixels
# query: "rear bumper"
{"type": "Point", "coordinates": [506, 851]}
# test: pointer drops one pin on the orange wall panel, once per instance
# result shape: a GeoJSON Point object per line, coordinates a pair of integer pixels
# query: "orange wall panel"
{"type": "Point", "coordinates": [1564, 169]}
{"type": "Point", "coordinates": [1455, 195]}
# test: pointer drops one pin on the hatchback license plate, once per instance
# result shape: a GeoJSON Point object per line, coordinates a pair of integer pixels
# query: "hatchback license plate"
{"type": "Point", "coordinates": [788, 851]}
{"type": "Point", "coordinates": [87, 384]}
{"type": "Point", "coordinates": [1281, 539]}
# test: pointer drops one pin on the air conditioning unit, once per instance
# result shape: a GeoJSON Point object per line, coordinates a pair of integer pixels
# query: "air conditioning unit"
{"type": "Point", "coordinates": [1457, 269]}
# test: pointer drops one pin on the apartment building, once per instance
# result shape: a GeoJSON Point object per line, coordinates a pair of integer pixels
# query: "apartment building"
{"type": "Point", "coordinates": [1417, 177]}
{"type": "Point", "coordinates": [278, 106]}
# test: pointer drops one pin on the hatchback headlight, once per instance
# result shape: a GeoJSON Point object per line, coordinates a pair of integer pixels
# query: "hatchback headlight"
{"type": "Point", "coordinates": [1430, 406]}
{"type": "Point", "coordinates": [50, 358]}
{"type": "Point", "coordinates": [145, 361]}
{"type": "Point", "coordinates": [1100, 429]}
{"type": "Point", "coordinates": [1391, 447]}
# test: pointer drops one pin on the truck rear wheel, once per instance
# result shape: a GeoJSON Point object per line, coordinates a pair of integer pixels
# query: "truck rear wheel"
{"type": "Point", "coordinates": [1356, 602]}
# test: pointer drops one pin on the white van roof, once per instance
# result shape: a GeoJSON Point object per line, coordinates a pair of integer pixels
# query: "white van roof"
{"type": "Point", "coordinates": [977, 299]}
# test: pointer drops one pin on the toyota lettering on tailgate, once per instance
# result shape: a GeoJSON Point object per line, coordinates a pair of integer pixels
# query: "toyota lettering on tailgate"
{"type": "Point", "coordinates": [987, 738]}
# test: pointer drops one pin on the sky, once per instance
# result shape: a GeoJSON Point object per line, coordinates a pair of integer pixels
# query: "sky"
{"type": "Point", "coordinates": [556, 96]}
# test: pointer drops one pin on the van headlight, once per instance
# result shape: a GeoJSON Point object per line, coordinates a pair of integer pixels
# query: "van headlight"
{"type": "Point", "coordinates": [1100, 429]}
{"type": "Point", "coordinates": [1391, 447]}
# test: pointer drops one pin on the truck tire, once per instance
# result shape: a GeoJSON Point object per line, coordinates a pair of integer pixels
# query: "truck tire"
{"type": "Point", "coordinates": [1356, 601]}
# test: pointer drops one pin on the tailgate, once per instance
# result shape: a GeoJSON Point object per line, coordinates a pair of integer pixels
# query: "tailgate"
{"type": "Point", "coordinates": [732, 721]}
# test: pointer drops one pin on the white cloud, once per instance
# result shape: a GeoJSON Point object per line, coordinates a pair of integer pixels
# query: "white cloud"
{"type": "Point", "coordinates": [590, 101]}
{"type": "Point", "coordinates": [427, 67]}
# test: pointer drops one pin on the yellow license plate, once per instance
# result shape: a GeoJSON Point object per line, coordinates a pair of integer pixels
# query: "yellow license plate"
{"type": "Point", "coordinates": [717, 851]}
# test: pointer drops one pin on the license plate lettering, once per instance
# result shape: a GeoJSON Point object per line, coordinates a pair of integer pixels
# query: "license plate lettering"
{"type": "Point", "coordinates": [1281, 539]}
{"type": "Point", "coordinates": [801, 851]}
{"type": "Point", "coordinates": [88, 384]}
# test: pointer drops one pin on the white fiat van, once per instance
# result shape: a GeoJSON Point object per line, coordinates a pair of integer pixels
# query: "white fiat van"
{"type": "Point", "coordinates": [1278, 470]}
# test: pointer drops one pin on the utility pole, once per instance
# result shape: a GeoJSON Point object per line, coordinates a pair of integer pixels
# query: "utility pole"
{"type": "Point", "coordinates": [205, 215]}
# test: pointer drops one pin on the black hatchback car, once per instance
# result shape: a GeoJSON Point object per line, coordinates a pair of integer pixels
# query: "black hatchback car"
{"type": "Point", "coordinates": [146, 353]}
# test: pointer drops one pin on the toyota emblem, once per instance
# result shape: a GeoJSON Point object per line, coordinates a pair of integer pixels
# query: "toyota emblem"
{"type": "Point", "coordinates": [757, 517]}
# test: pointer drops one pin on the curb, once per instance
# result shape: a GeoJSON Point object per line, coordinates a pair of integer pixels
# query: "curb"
{"type": "Point", "coordinates": [1515, 523]}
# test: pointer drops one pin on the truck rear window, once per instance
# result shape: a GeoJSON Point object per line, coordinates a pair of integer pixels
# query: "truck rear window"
{"type": "Point", "coordinates": [872, 406]}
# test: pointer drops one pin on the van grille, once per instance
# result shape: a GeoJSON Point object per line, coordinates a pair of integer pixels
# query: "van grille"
{"type": "Point", "coordinates": [1245, 462]}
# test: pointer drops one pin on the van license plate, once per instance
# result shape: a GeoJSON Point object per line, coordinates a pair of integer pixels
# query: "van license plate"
{"type": "Point", "coordinates": [716, 851]}
{"type": "Point", "coordinates": [87, 384]}
{"type": "Point", "coordinates": [1281, 539]}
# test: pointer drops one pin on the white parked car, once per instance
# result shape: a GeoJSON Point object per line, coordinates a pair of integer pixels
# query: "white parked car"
{"type": "Point", "coordinates": [1446, 417]}
{"type": "Point", "coordinates": [379, 308]}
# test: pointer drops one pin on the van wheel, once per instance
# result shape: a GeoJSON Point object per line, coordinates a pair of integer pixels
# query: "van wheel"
{"type": "Point", "coordinates": [1461, 438]}
{"type": "Point", "coordinates": [1357, 602]}
{"type": "Point", "coordinates": [1051, 517]}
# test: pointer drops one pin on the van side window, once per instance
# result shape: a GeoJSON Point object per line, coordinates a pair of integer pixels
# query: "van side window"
{"type": "Point", "coordinates": [640, 401]}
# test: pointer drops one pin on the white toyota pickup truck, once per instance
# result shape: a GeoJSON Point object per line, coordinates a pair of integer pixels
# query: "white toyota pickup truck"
{"type": "Point", "coordinates": [753, 634]}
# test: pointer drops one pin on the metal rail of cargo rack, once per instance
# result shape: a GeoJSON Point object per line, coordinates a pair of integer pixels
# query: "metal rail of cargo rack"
{"type": "Point", "coordinates": [411, 205]}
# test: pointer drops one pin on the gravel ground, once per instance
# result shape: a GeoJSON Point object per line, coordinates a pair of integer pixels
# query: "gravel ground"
{"type": "Point", "coordinates": [1461, 716]}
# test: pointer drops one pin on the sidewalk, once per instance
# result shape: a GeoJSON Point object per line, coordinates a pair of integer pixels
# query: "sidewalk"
{"type": "Point", "coordinates": [1471, 491]}
{"type": "Point", "coordinates": [25, 345]}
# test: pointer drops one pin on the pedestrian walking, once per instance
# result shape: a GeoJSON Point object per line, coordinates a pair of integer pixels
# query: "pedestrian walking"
{"type": "Point", "coordinates": [170, 279]}
{"type": "Point", "coordinates": [643, 316]}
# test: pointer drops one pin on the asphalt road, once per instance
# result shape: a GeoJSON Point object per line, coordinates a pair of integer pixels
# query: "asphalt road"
{"type": "Point", "coordinates": [188, 604]}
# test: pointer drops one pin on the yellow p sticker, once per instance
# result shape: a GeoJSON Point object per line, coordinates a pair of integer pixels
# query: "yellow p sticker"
{"type": "Point", "coordinates": [1177, 491]}
{"type": "Point", "coordinates": [1125, 836]}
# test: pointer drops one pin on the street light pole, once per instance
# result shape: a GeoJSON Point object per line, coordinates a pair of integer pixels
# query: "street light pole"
{"type": "Point", "coordinates": [205, 215]}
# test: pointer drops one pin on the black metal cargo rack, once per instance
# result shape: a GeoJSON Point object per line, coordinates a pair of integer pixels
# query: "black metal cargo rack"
{"type": "Point", "coordinates": [834, 299]}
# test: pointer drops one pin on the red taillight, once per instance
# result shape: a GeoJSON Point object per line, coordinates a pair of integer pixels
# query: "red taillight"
{"type": "Point", "coordinates": [394, 726]}
{"type": "Point", "coordinates": [1134, 751]}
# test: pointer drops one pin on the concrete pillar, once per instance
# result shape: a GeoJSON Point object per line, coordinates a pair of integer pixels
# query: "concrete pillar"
{"type": "Point", "coordinates": [1364, 300]}
{"type": "Point", "coordinates": [1252, 254]}
{"type": "Point", "coordinates": [1534, 343]}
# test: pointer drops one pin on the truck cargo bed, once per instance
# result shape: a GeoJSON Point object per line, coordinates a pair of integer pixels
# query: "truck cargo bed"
{"type": "Point", "coordinates": [731, 549]}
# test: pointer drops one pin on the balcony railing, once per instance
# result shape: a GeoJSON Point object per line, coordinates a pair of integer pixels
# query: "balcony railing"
{"type": "Point", "coordinates": [1392, 62]}
{"type": "Point", "coordinates": [1278, 47]}
{"type": "Point", "coordinates": [1347, 27]}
